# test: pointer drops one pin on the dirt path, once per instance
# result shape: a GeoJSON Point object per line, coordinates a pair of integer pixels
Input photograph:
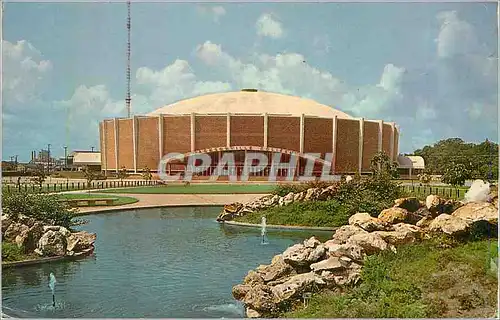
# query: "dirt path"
{"type": "Point", "coordinates": [173, 200]}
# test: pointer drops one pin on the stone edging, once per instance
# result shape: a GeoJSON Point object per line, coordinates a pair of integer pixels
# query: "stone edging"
{"type": "Point", "coordinates": [274, 226]}
{"type": "Point", "coordinates": [32, 261]}
{"type": "Point", "coordinates": [103, 210]}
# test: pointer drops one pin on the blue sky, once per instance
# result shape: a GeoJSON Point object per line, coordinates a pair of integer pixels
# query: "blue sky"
{"type": "Point", "coordinates": [432, 68]}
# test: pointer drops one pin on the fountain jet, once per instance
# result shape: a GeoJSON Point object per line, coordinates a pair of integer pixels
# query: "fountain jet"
{"type": "Point", "coordinates": [52, 286]}
{"type": "Point", "coordinates": [263, 230]}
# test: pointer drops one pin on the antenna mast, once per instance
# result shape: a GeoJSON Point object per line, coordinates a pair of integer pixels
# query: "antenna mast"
{"type": "Point", "coordinates": [127, 98]}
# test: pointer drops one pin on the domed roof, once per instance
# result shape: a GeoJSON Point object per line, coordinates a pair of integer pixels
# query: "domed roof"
{"type": "Point", "coordinates": [250, 102]}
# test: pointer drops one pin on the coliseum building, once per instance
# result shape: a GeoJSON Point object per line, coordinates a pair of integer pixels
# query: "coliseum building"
{"type": "Point", "coordinates": [240, 121]}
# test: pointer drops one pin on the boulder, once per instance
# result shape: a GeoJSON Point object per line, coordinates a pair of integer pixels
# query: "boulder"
{"type": "Point", "coordinates": [424, 222]}
{"type": "Point", "coordinates": [251, 313]}
{"type": "Point", "coordinates": [233, 207]}
{"type": "Point", "coordinates": [369, 223]}
{"type": "Point", "coordinates": [253, 278]}
{"type": "Point", "coordinates": [276, 270]}
{"type": "Point", "coordinates": [423, 212]}
{"type": "Point", "coordinates": [27, 221]}
{"type": "Point", "coordinates": [437, 205]}
{"type": "Point", "coordinates": [411, 204]}
{"type": "Point", "coordinates": [311, 242]}
{"type": "Point", "coordinates": [311, 194]}
{"type": "Point", "coordinates": [449, 224]}
{"type": "Point", "coordinates": [297, 255]}
{"type": "Point", "coordinates": [343, 233]}
{"type": "Point", "coordinates": [403, 234]}
{"type": "Point", "coordinates": [32, 237]}
{"type": "Point", "coordinates": [295, 286]}
{"type": "Point", "coordinates": [474, 211]}
{"type": "Point", "coordinates": [240, 291]}
{"type": "Point", "coordinates": [370, 242]}
{"type": "Point", "coordinates": [394, 215]}
{"type": "Point", "coordinates": [298, 197]}
{"type": "Point", "coordinates": [288, 198]}
{"type": "Point", "coordinates": [6, 222]}
{"type": "Point", "coordinates": [317, 254]}
{"type": "Point", "coordinates": [261, 299]}
{"type": "Point", "coordinates": [351, 250]}
{"type": "Point", "coordinates": [52, 243]}
{"type": "Point", "coordinates": [79, 241]}
{"type": "Point", "coordinates": [330, 264]}
{"type": "Point", "coordinates": [15, 229]}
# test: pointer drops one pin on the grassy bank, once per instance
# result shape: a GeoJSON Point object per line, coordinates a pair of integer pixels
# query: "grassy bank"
{"type": "Point", "coordinates": [421, 280]}
{"type": "Point", "coordinates": [120, 200]}
{"type": "Point", "coordinates": [11, 253]}
{"type": "Point", "coordinates": [198, 189]}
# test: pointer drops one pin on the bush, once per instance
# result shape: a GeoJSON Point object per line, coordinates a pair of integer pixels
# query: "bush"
{"type": "Point", "coordinates": [284, 189]}
{"type": "Point", "coordinates": [11, 252]}
{"type": "Point", "coordinates": [42, 207]}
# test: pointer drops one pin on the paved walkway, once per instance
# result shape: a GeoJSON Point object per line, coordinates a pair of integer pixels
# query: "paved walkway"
{"type": "Point", "coordinates": [174, 200]}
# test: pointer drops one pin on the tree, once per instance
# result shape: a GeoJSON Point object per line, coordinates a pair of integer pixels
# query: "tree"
{"type": "Point", "coordinates": [122, 173]}
{"type": "Point", "coordinates": [424, 178]}
{"type": "Point", "coordinates": [456, 174]}
{"type": "Point", "coordinates": [90, 175]}
{"type": "Point", "coordinates": [146, 173]}
{"type": "Point", "coordinates": [39, 176]}
{"type": "Point", "coordinates": [381, 164]}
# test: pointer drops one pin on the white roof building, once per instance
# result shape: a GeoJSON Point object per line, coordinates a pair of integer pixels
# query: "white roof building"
{"type": "Point", "coordinates": [411, 162]}
{"type": "Point", "coordinates": [86, 158]}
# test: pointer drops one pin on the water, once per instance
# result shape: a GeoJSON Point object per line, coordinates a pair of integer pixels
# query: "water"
{"type": "Point", "coordinates": [150, 263]}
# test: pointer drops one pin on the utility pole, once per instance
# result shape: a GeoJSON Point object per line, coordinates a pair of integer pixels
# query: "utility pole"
{"type": "Point", "coordinates": [48, 158]}
{"type": "Point", "coordinates": [65, 157]}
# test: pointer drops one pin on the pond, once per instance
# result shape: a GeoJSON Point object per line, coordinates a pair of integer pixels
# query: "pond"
{"type": "Point", "coordinates": [153, 263]}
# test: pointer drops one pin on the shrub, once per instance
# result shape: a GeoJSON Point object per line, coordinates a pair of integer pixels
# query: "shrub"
{"type": "Point", "coordinates": [42, 207]}
{"type": "Point", "coordinates": [11, 252]}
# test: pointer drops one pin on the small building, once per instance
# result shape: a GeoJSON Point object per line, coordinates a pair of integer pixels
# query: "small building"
{"type": "Point", "coordinates": [410, 166]}
{"type": "Point", "coordinates": [85, 159]}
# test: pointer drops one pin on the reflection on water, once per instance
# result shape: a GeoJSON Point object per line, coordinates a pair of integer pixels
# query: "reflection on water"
{"type": "Point", "coordinates": [157, 263]}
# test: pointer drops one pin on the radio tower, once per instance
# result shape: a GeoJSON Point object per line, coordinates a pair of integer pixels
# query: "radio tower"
{"type": "Point", "coordinates": [127, 98]}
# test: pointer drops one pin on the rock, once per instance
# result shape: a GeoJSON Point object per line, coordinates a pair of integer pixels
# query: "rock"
{"type": "Point", "coordinates": [251, 313]}
{"type": "Point", "coordinates": [79, 241]}
{"type": "Point", "coordinates": [437, 205]}
{"type": "Point", "coordinates": [240, 291]}
{"type": "Point", "coordinates": [394, 215]}
{"type": "Point", "coordinates": [345, 232]}
{"type": "Point", "coordinates": [424, 222]}
{"type": "Point", "coordinates": [27, 221]}
{"type": "Point", "coordinates": [261, 299]}
{"type": "Point", "coordinates": [52, 243]}
{"type": "Point", "coordinates": [297, 255]}
{"type": "Point", "coordinates": [411, 204]}
{"type": "Point", "coordinates": [52, 228]}
{"type": "Point", "coordinates": [449, 224]}
{"type": "Point", "coordinates": [295, 286]}
{"type": "Point", "coordinates": [15, 229]}
{"type": "Point", "coordinates": [474, 211]}
{"type": "Point", "coordinates": [233, 207]}
{"type": "Point", "coordinates": [6, 222]}
{"type": "Point", "coordinates": [298, 197]}
{"type": "Point", "coordinates": [324, 194]}
{"type": "Point", "coordinates": [288, 199]}
{"type": "Point", "coordinates": [311, 194]}
{"type": "Point", "coordinates": [330, 264]}
{"type": "Point", "coordinates": [276, 270]}
{"type": "Point", "coordinates": [369, 223]}
{"type": "Point", "coordinates": [253, 278]}
{"type": "Point", "coordinates": [311, 242]}
{"type": "Point", "coordinates": [403, 234]}
{"type": "Point", "coordinates": [423, 212]}
{"type": "Point", "coordinates": [370, 242]}
{"type": "Point", "coordinates": [317, 254]}
{"type": "Point", "coordinates": [350, 250]}
{"type": "Point", "coordinates": [32, 237]}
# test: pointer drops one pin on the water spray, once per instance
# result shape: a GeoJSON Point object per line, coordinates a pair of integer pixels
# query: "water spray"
{"type": "Point", "coordinates": [52, 286]}
{"type": "Point", "coordinates": [263, 230]}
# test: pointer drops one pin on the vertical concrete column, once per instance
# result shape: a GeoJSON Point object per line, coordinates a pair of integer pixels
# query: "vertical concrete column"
{"type": "Point", "coordinates": [396, 145]}
{"type": "Point", "coordinates": [160, 135]}
{"type": "Point", "coordinates": [228, 130]}
{"type": "Point", "coordinates": [392, 141]}
{"type": "Point", "coordinates": [104, 158]}
{"type": "Point", "coordinates": [116, 144]}
{"type": "Point", "coordinates": [302, 125]}
{"type": "Point", "coordinates": [361, 139]}
{"type": "Point", "coordinates": [380, 135]}
{"type": "Point", "coordinates": [334, 143]}
{"type": "Point", "coordinates": [193, 131]}
{"type": "Point", "coordinates": [134, 141]}
{"type": "Point", "coordinates": [266, 126]}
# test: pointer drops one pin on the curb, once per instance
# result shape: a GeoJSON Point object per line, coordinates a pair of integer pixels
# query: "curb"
{"type": "Point", "coordinates": [148, 207]}
{"type": "Point", "coordinates": [281, 227]}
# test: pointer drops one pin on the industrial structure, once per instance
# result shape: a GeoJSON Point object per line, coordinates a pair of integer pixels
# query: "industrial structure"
{"type": "Point", "coordinates": [241, 121]}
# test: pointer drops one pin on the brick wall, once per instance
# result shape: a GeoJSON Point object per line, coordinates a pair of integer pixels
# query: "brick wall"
{"type": "Point", "coordinates": [318, 135]}
{"type": "Point", "coordinates": [125, 144]}
{"type": "Point", "coordinates": [247, 131]}
{"type": "Point", "coordinates": [396, 144]}
{"type": "Point", "coordinates": [347, 146]}
{"type": "Point", "coordinates": [101, 144]}
{"type": "Point", "coordinates": [210, 131]}
{"type": "Point", "coordinates": [176, 134]}
{"type": "Point", "coordinates": [147, 143]}
{"type": "Point", "coordinates": [284, 132]}
{"type": "Point", "coordinates": [109, 129]}
{"type": "Point", "coordinates": [386, 139]}
{"type": "Point", "coordinates": [370, 143]}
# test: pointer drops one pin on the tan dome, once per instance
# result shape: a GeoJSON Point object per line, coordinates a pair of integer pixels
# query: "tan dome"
{"type": "Point", "coordinates": [244, 102]}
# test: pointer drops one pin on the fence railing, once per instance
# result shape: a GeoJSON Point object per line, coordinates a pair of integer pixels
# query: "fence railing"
{"type": "Point", "coordinates": [74, 186]}
{"type": "Point", "coordinates": [447, 192]}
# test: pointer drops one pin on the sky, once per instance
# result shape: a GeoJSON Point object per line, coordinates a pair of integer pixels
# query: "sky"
{"type": "Point", "coordinates": [429, 67]}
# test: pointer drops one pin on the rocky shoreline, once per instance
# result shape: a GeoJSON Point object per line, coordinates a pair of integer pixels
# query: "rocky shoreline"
{"type": "Point", "coordinates": [312, 266]}
{"type": "Point", "coordinates": [42, 240]}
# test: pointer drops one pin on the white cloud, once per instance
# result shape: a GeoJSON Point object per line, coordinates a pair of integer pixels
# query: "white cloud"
{"type": "Point", "coordinates": [267, 26]}
{"type": "Point", "coordinates": [456, 36]}
{"type": "Point", "coordinates": [216, 12]}
{"type": "Point", "coordinates": [24, 71]}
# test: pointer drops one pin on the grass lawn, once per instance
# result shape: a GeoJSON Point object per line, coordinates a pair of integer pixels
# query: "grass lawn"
{"type": "Point", "coordinates": [121, 200]}
{"type": "Point", "coordinates": [197, 189]}
{"type": "Point", "coordinates": [421, 280]}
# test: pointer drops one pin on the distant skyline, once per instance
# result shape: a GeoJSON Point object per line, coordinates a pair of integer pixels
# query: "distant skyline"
{"type": "Point", "coordinates": [429, 67]}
